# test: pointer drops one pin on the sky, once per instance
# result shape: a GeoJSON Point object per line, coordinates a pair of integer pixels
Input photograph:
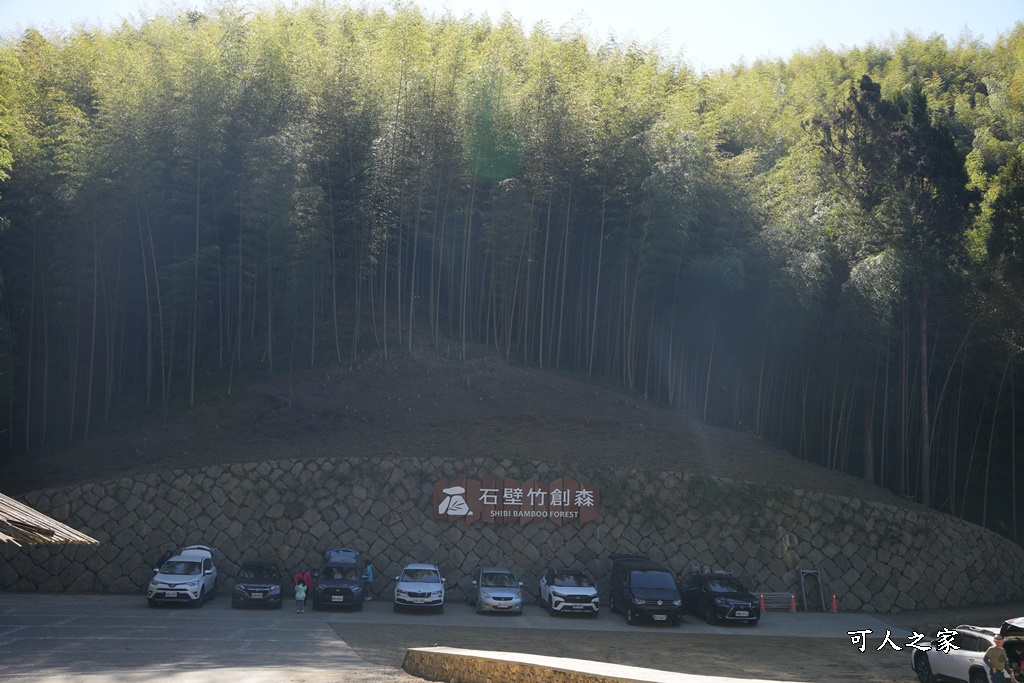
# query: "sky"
{"type": "Point", "coordinates": [709, 34]}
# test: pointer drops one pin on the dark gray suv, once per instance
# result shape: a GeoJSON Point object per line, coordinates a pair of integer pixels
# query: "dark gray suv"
{"type": "Point", "coordinates": [643, 589]}
{"type": "Point", "coordinates": [339, 583]}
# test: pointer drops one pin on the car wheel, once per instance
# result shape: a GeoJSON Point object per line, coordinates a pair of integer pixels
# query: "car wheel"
{"type": "Point", "coordinates": [924, 669]}
{"type": "Point", "coordinates": [551, 607]}
{"type": "Point", "coordinates": [631, 617]}
{"type": "Point", "coordinates": [612, 608]}
{"type": "Point", "coordinates": [198, 602]}
{"type": "Point", "coordinates": [477, 606]}
{"type": "Point", "coordinates": [978, 676]}
{"type": "Point", "coordinates": [709, 614]}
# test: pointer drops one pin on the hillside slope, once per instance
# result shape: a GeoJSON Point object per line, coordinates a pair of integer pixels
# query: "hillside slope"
{"type": "Point", "coordinates": [482, 408]}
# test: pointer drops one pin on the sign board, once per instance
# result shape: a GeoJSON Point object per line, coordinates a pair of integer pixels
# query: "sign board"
{"type": "Point", "coordinates": [493, 500]}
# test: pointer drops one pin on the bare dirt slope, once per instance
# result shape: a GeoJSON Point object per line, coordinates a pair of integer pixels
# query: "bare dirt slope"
{"type": "Point", "coordinates": [482, 408]}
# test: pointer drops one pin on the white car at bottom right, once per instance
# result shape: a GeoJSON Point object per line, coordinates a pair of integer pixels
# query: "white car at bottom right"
{"type": "Point", "coordinates": [960, 654]}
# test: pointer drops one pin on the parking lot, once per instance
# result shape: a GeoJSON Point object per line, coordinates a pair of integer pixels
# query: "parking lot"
{"type": "Point", "coordinates": [101, 638]}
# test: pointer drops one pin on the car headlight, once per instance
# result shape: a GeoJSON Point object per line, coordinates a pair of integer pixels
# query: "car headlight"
{"type": "Point", "coordinates": [677, 603]}
{"type": "Point", "coordinates": [638, 601]}
{"type": "Point", "coordinates": [399, 591]}
{"type": "Point", "coordinates": [436, 594]}
{"type": "Point", "coordinates": [193, 584]}
{"type": "Point", "coordinates": [518, 595]}
{"type": "Point", "coordinates": [721, 603]}
{"type": "Point", "coordinates": [154, 583]}
{"type": "Point", "coordinates": [558, 595]}
{"type": "Point", "coordinates": [485, 595]}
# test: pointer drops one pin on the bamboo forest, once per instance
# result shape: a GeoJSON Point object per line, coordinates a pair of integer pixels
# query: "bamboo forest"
{"type": "Point", "coordinates": [826, 251]}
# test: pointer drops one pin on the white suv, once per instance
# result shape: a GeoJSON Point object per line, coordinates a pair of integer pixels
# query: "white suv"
{"type": "Point", "coordinates": [420, 586]}
{"type": "Point", "coordinates": [961, 657]}
{"type": "Point", "coordinates": [189, 577]}
{"type": "Point", "coordinates": [569, 590]}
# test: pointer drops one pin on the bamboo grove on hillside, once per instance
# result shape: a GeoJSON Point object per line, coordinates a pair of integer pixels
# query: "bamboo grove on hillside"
{"type": "Point", "coordinates": [826, 251]}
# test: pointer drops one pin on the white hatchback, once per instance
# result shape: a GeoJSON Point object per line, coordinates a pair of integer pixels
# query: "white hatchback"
{"type": "Point", "coordinates": [420, 586]}
{"type": "Point", "coordinates": [189, 577]}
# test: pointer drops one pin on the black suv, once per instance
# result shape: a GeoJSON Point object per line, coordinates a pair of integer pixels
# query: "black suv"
{"type": "Point", "coordinates": [718, 596]}
{"type": "Point", "coordinates": [643, 589]}
{"type": "Point", "coordinates": [339, 583]}
{"type": "Point", "coordinates": [258, 582]}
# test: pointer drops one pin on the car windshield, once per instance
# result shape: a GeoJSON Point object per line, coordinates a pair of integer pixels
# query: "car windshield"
{"type": "Point", "coordinates": [421, 576]}
{"type": "Point", "coordinates": [181, 568]}
{"type": "Point", "coordinates": [498, 580]}
{"type": "Point", "coordinates": [257, 572]}
{"type": "Point", "coordinates": [725, 586]}
{"type": "Point", "coordinates": [652, 579]}
{"type": "Point", "coordinates": [340, 573]}
{"type": "Point", "coordinates": [573, 580]}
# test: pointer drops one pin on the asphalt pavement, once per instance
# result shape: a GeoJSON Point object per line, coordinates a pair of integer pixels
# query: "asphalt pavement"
{"type": "Point", "coordinates": [60, 638]}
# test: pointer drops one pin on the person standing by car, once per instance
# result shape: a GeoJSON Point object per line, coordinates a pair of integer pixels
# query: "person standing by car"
{"type": "Point", "coordinates": [996, 659]}
{"type": "Point", "coordinates": [166, 556]}
{"type": "Point", "coordinates": [305, 579]}
{"type": "Point", "coordinates": [300, 598]}
{"type": "Point", "coordinates": [368, 581]}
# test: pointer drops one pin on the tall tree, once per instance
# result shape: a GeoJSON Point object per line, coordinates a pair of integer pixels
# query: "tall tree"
{"type": "Point", "coordinates": [907, 173]}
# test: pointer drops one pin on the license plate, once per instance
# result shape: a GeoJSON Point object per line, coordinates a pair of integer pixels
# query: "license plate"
{"type": "Point", "coordinates": [257, 596]}
{"type": "Point", "coordinates": [417, 600]}
{"type": "Point", "coordinates": [337, 598]}
{"type": "Point", "coordinates": [577, 606]}
{"type": "Point", "coordinates": [660, 617]}
{"type": "Point", "coordinates": [170, 594]}
{"type": "Point", "coordinates": [742, 613]}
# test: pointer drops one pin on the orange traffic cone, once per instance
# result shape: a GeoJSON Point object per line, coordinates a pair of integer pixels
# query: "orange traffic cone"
{"type": "Point", "coordinates": [792, 602]}
{"type": "Point", "coordinates": [834, 606]}
{"type": "Point", "coordinates": [762, 603]}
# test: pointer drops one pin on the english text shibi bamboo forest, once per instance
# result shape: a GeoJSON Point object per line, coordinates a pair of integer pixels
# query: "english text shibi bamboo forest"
{"type": "Point", "coordinates": [826, 251]}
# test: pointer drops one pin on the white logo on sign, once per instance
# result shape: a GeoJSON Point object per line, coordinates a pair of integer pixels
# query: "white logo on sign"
{"type": "Point", "coordinates": [454, 502]}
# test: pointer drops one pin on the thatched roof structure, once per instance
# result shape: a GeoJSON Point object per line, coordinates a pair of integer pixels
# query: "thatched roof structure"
{"type": "Point", "coordinates": [21, 524]}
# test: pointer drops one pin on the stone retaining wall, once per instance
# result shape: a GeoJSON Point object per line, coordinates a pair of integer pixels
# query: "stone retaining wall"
{"type": "Point", "coordinates": [874, 557]}
{"type": "Point", "coordinates": [473, 666]}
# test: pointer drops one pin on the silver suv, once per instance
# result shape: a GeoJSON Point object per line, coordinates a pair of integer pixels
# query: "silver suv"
{"type": "Point", "coordinates": [189, 577]}
{"type": "Point", "coordinates": [961, 657]}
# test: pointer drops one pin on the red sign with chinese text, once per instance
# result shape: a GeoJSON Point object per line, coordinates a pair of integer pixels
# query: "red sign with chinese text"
{"type": "Point", "coordinates": [507, 501]}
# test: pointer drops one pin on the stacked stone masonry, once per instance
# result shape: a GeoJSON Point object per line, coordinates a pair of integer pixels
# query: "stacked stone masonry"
{"type": "Point", "coordinates": [872, 556]}
{"type": "Point", "coordinates": [469, 666]}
